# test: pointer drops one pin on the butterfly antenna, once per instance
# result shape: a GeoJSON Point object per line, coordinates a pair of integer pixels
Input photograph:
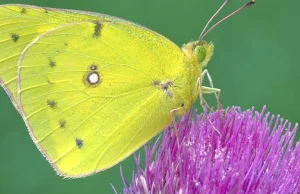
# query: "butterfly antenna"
{"type": "Point", "coordinates": [251, 2]}
{"type": "Point", "coordinates": [212, 17]}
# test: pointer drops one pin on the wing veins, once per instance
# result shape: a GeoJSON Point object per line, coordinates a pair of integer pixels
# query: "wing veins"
{"type": "Point", "coordinates": [7, 58]}
{"type": "Point", "coordinates": [55, 72]}
{"type": "Point", "coordinates": [31, 26]}
{"type": "Point", "coordinates": [138, 131]}
{"type": "Point", "coordinates": [43, 138]}
{"type": "Point", "coordinates": [124, 147]}
{"type": "Point", "coordinates": [75, 129]}
{"type": "Point", "coordinates": [89, 98]}
{"type": "Point", "coordinates": [127, 118]}
{"type": "Point", "coordinates": [61, 112]}
{"type": "Point", "coordinates": [17, 45]}
{"type": "Point", "coordinates": [78, 54]}
{"type": "Point", "coordinates": [63, 91]}
{"type": "Point", "coordinates": [92, 133]}
{"type": "Point", "coordinates": [144, 41]}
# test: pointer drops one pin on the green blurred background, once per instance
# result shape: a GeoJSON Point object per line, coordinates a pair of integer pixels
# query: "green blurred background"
{"type": "Point", "coordinates": [256, 63]}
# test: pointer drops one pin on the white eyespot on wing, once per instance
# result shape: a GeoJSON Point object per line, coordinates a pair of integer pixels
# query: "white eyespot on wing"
{"type": "Point", "coordinates": [93, 78]}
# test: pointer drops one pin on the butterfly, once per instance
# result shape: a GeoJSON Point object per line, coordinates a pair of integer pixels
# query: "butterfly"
{"type": "Point", "coordinates": [93, 88]}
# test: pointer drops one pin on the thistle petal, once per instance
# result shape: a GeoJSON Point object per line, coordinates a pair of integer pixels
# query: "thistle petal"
{"type": "Point", "coordinates": [255, 153]}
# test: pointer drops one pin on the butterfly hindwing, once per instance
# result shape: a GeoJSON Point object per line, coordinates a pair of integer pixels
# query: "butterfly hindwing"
{"type": "Point", "coordinates": [89, 98]}
{"type": "Point", "coordinates": [91, 88]}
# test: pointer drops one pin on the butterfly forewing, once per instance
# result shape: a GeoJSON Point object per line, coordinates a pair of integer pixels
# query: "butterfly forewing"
{"type": "Point", "coordinates": [20, 25]}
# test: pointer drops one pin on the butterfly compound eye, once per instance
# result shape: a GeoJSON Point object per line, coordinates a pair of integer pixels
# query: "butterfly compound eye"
{"type": "Point", "coordinates": [200, 52]}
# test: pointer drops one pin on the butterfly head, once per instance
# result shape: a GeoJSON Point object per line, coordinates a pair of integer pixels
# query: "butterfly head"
{"type": "Point", "coordinates": [199, 53]}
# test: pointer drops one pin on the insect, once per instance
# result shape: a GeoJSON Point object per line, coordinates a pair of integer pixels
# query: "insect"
{"type": "Point", "coordinates": [93, 88]}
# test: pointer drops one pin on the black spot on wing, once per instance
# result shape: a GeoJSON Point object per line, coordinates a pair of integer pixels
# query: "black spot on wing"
{"type": "Point", "coordinates": [164, 86]}
{"type": "Point", "coordinates": [52, 63]}
{"type": "Point", "coordinates": [52, 104]}
{"type": "Point", "coordinates": [15, 37]}
{"type": "Point", "coordinates": [23, 10]}
{"type": "Point", "coordinates": [156, 82]}
{"type": "Point", "coordinates": [97, 29]}
{"type": "Point", "coordinates": [62, 124]}
{"type": "Point", "coordinates": [93, 67]}
{"type": "Point", "coordinates": [79, 142]}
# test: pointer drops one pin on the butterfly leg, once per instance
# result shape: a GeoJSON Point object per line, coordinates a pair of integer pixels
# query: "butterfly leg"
{"type": "Point", "coordinates": [208, 90]}
{"type": "Point", "coordinates": [203, 102]}
{"type": "Point", "coordinates": [216, 91]}
{"type": "Point", "coordinates": [173, 115]}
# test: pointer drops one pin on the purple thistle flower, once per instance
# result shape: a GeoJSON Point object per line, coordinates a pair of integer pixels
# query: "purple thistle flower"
{"type": "Point", "coordinates": [253, 154]}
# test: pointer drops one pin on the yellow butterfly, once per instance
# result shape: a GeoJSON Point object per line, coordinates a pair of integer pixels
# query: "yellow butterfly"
{"type": "Point", "coordinates": [93, 88]}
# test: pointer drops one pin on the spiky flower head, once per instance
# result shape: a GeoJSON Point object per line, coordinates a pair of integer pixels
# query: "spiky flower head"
{"type": "Point", "coordinates": [255, 153]}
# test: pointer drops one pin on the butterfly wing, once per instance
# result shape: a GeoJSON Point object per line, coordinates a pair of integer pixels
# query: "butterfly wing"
{"type": "Point", "coordinates": [88, 91]}
{"type": "Point", "coordinates": [20, 25]}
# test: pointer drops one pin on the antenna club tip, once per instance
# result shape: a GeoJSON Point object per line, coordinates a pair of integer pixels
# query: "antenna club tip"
{"type": "Point", "coordinates": [252, 2]}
